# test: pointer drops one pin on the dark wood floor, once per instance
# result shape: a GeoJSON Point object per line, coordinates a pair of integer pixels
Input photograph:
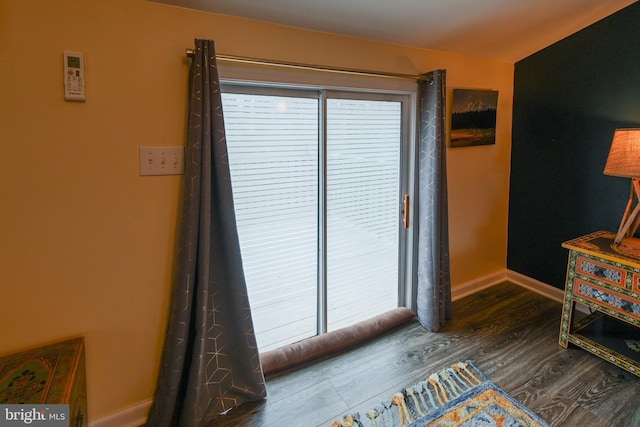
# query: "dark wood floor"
{"type": "Point", "coordinates": [510, 333]}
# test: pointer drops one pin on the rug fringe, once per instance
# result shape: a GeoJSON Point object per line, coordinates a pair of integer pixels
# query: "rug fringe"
{"type": "Point", "coordinates": [421, 398]}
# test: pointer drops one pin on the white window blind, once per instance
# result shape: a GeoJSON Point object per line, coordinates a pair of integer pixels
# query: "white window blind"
{"type": "Point", "coordinates": [275, 145]}
{"type": "Point", "coordinates": [273, 151]}
{"type": "Point", "coordinates": [363, 182]}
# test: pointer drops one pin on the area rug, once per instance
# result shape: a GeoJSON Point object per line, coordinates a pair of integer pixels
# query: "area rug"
{"type": "Point", "coordinates": [456, 396]}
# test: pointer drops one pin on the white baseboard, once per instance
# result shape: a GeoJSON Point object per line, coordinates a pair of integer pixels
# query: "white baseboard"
{"type": "Point", "coordinates": [477, 285]}
{"type": "Point", "coordinates": [485, 282]}
{"type": "Point", "coordinates": [543, 289]}
{"type": "Point", "coordinates": [133, 416]}
{"type": "Point", "coordinates": [535, 285]}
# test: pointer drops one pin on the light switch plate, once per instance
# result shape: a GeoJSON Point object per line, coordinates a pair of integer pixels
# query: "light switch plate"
{"type": "Point", "coordinates": [162, 160]}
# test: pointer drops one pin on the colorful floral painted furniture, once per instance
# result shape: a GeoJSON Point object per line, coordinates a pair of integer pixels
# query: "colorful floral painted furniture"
{"type": "Point", "coordinates": [50, 374]}
{"type": "Point", "coordinates": [604, 278]}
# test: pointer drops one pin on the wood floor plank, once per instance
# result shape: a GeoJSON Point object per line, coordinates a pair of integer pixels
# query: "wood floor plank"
{"type": "Point", "coordinates": [319, 402]}
{"type": "Point", "coordinates": [511, 335]}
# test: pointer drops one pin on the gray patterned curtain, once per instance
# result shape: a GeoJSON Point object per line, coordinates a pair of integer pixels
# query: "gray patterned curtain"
{"type": "Point", "coordinates": [434, 282]}
{"type": "Point", "coordinates": [210, 361]}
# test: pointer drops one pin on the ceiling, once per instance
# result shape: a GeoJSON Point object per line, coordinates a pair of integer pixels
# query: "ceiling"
{"type": "Point", "coordinates": [506, 30]}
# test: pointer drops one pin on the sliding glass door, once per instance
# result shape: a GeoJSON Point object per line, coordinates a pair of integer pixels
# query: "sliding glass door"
{"type": "Point", "coordinates": [318, 182]}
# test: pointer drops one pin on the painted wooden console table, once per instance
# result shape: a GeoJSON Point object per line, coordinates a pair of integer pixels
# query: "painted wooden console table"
{"type": "Point", "coordinates": [606, 279]}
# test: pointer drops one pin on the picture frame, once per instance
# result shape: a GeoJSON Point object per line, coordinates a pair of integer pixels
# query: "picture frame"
{"type": "Point", "coordinates": [473, 117]}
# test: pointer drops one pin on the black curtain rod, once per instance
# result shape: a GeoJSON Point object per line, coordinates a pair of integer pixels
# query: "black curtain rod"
{"type": "Point", "coordinates": [286, 64]}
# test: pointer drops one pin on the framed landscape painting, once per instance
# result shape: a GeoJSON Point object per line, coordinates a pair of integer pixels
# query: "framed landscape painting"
{"type": "Point", "coordinates": [473, 117]}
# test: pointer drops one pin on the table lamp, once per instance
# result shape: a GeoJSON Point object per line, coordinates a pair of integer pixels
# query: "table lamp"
{"type": "Point", "coordinates": [624, 161]}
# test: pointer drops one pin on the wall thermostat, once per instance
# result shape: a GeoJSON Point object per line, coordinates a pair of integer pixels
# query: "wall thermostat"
{"type": "Point", "coordinates": [74, 85]}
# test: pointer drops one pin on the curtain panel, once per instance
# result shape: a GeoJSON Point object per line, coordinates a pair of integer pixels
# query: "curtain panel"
{"type": "Point", "coordinates": [434, 282]}
{"type": "Point", "coordinates": [210, 361]}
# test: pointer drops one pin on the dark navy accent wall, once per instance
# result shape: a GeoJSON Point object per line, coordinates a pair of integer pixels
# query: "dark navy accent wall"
{"type": "Point", "coordinates": [568, 100]}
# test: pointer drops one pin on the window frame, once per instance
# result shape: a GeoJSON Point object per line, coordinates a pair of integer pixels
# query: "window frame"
{"type": "Point", "coordinates": [254, 79]}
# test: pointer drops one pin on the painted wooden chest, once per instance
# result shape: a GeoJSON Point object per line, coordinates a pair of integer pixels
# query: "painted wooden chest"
{"type": "Point", "coordinates": [50, 374]}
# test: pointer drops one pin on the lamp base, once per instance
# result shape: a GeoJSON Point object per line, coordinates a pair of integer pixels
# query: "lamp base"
{"type": "Point", "coordinates": [630, 219]}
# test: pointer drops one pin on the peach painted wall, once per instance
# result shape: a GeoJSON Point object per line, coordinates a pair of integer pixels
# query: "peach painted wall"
{"type": "Point", "coordinates": [86, 244]}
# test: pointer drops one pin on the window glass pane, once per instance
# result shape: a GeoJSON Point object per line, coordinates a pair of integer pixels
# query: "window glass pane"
{"type": "Point", "coordinates": [363, 183]}
{"type": "Point", "coordinates": [273, 158]}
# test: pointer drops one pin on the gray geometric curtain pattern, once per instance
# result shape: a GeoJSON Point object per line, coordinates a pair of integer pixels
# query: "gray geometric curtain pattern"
{"type": "Point", "coordinates": [210, 361]}
{"type": "Point", "coordinates": [434, 277]}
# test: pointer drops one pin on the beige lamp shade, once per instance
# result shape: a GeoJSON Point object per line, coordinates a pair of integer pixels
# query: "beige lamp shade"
{"type": "Point", "coordinates": [624, 155]}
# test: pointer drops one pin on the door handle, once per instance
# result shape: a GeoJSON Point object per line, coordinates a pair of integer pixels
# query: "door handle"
{"type": "Point", "coordinates": [405, 208]}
